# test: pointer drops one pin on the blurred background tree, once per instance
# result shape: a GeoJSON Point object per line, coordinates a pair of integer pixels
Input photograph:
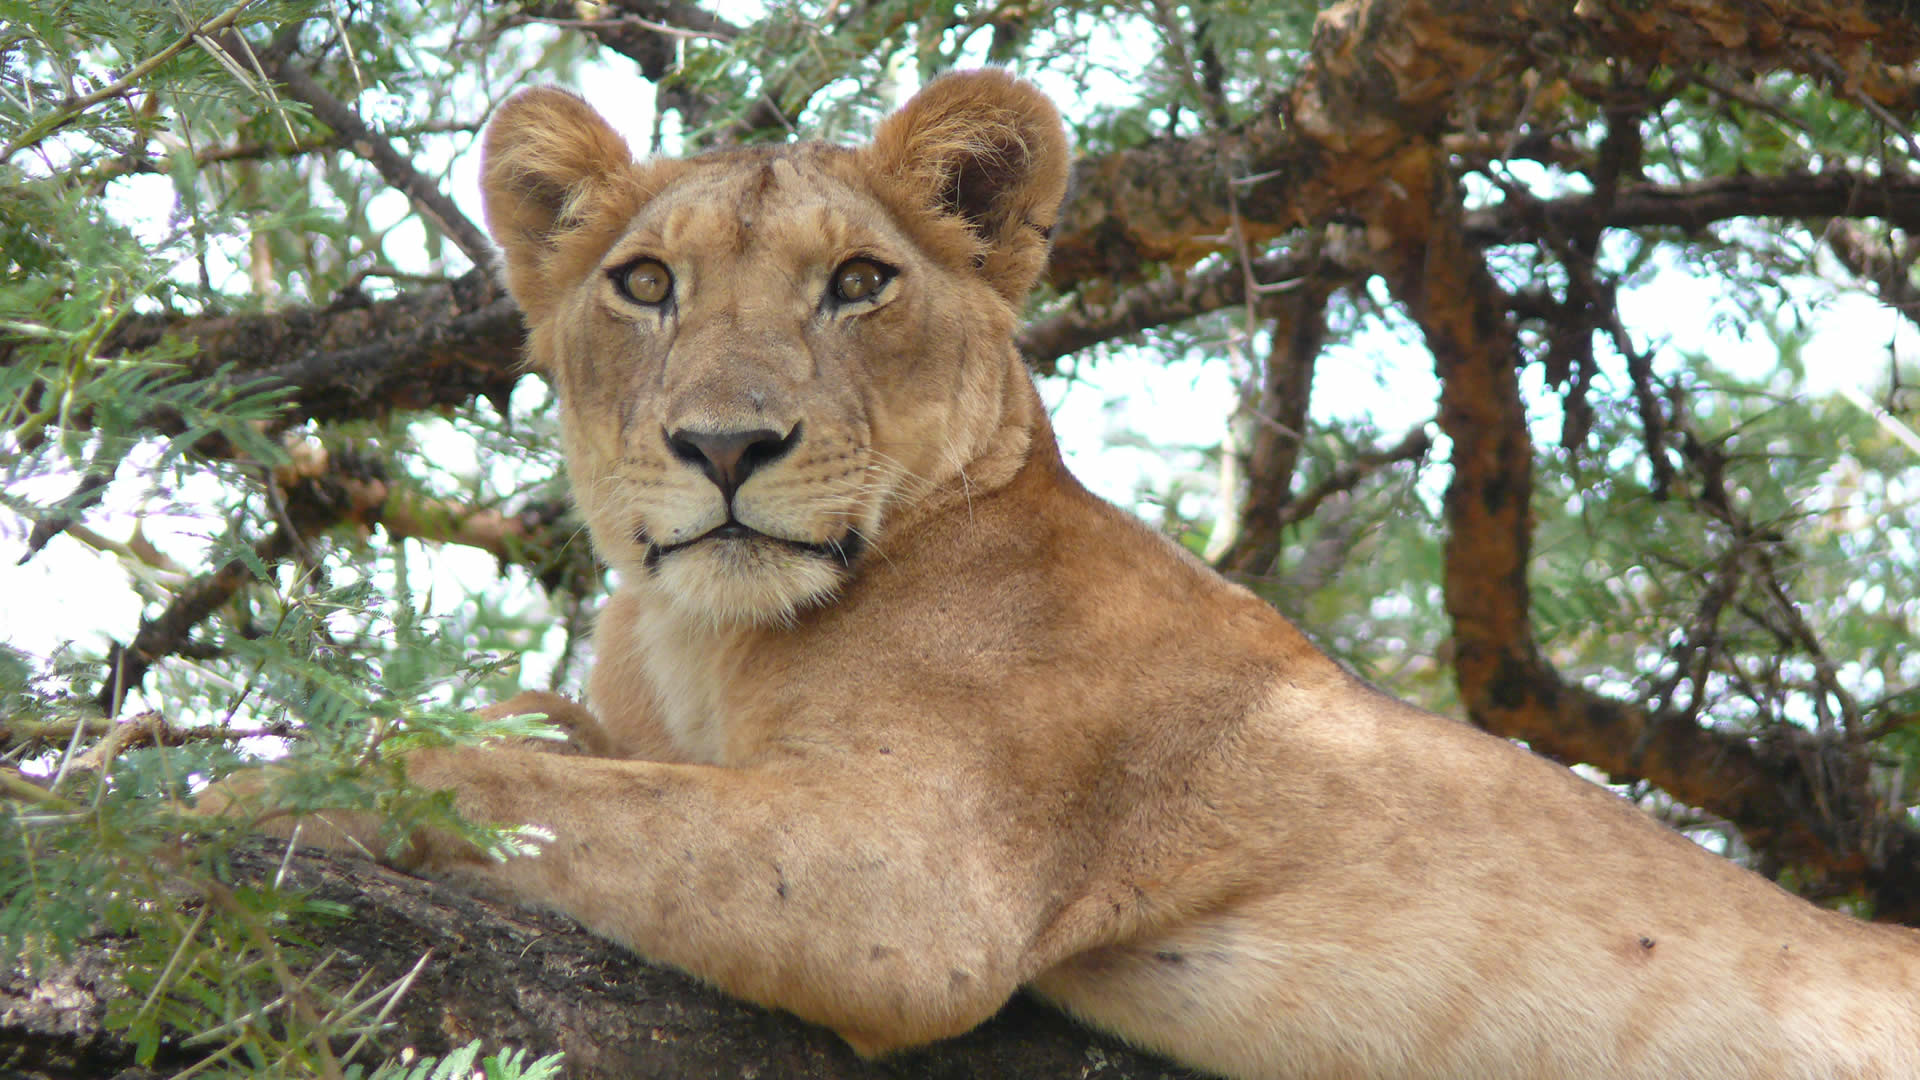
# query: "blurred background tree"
{"type": "Point", "coordinates": [1552, 364]}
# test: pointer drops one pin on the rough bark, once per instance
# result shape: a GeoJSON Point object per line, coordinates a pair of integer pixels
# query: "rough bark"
{"type": "Point", "coordinates": [1383, 71]}
{"type": "Point", "coordinates": [514, 977]}
{"type": "Point", "coordinates": [355, 359]}
{"type": "Point", "coordinates": [1279, 427]}
{"type": "Point", "coordinates": [1781, 792]}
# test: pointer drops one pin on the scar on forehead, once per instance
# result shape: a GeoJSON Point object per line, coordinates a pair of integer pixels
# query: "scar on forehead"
{"type": "Point", "coordinates": [753, 195]}
{"type": "Point", "coordinates": [734, 209]}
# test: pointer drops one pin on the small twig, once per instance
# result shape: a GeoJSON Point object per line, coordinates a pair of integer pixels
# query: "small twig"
{"type": "Point", "coordinates": [168, 633]}
{"type": "Point", "coordinates": [634, 21]}
{"type": "Point", "coordinates": [89, 492]}
{"type": "Point", "coordinates": [1893, 425]}
{"type": "Point", "coordinates": [1888, 726]}
{"type": "Point", "coordinates": [393, 167]}
{"type": "Point", "coordinates": [293, 989]}
{"type": "Point", "coordinates": [218, 155]}
{"type": "Point", "coordinates": [173, 964]}
{"type": "Point", "coordinates": [67, 757]}
{"type": "Point", "coordinates": [137, 550]}
{"type": "Point", "coordinates": [1255, 178]}
{"type": "Point", "coordinates": [1412, 446]}
{"type": "Point", "coordinates": [258, 1013]}
{"type": "Point", "coordinates": [1893, 124]}
{"type": "Point", "coordinates": [393, 994]}
{"type": "Point", "coordinates": [1750, 100]}
{"type": "Point", "coordinates": [346, 43]}
{"type": "Point", "coordinates": [73, 107]}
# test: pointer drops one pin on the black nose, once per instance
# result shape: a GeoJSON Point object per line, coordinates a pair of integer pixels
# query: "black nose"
{"type": "Point", "coordinates": [729, 457]}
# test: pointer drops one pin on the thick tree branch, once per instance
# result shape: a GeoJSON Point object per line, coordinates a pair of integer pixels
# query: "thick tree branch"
{"type": "Point", "coordinates": [1778, 791]}
{"type": "Point", "coordinates": [1835, 194]}
{"type": "Point", "coordinates": [1279, 427]}
{"type": "Point", "coordinates": [516, 978]}
{"type": "Point", "coordinates": [433, 346]}
{"type": "Point", "coordinates": [1174, 298]}
{"type": "Point", "coordinates": [1384, 72]}
{"type": "Point", "coordinates": [1380, 74]}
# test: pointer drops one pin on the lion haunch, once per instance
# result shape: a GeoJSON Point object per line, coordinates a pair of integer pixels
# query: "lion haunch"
{"type": "Point", "coordinates": [874, 644]}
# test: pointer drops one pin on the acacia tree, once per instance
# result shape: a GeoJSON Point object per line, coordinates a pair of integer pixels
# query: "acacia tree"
{"type": "Point", "coordinates": [1696, 578]}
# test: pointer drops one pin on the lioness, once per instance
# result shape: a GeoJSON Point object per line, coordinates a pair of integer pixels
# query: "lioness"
{"type": "Point", "coordinates": [890, 716]}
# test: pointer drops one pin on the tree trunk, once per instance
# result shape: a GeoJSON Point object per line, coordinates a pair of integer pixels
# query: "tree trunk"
{"type": "Point", "coordinates": [518, 978]}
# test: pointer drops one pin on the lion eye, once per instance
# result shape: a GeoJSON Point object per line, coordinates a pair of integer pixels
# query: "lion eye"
{"type": "Point", "coordinates": [644, 281]}
{"type": "Point", "coordinates": [859, 279]}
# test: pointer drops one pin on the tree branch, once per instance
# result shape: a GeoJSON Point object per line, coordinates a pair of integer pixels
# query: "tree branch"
{"type": "Point", "coordinates": [1348, 474]}
{"type": "Point", "coordinates": [170, 632]}
{"type": "Point", "coordinates": [1174, 298]}
{"type": "Point", "coordinates": [1834, 194]}
{"type": "Point", "coordinates": [1367, 89]}
{"type": "Point", "coordinates": [447, 345]}
{"type": "Point", "coordinates": [1873, 259]}
{"type": "Point", "coordinates": [91, 489]}
{"type": "Point", "coordinates": [519, 978]}
{"type": "Point", "coordinates": [263, 151]}
{"type": "Point", "coordinates": [648, 32]}
{"type": "Point", "coordinates": [1777, 790]}
{"type": "Point", "coordinates": [324, 491]}
{"type": "Point", "coordinates": [1279, 427]}
{"type": "Point", "coordinates": [394, 167]}
{"type": "Point", "coordinates": [433, 346]}
{"type": "Point", "coordinates": [1384, 73]}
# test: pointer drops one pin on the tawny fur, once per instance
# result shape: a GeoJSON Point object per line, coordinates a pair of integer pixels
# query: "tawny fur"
{"type": "Point", "coordinates": [1023, 740]}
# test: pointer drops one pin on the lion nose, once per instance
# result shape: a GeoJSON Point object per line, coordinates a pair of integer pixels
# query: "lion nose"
{"type": "Point", "coordinates": [729, 457]}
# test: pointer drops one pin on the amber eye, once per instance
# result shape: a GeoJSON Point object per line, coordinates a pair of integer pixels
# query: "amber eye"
{"type": "Point", "coordinates": [644, 281]}
{"type": "Point", "coordinates": [859, 279]}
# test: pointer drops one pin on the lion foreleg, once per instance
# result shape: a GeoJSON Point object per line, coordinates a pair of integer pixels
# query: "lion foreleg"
{"type": "Point", "coordinates": [787, 886]}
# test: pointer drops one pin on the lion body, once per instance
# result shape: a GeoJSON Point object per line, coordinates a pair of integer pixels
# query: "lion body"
{"type": "Point", "coordinates": [891, 717]}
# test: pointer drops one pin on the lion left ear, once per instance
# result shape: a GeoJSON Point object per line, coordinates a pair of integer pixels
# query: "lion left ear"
{"type": "Point", "coordinates": [988, 149]}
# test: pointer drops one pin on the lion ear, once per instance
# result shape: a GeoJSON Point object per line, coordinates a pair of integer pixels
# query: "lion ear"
{"type": "Point", "coordinates": [550, 169]}
{"type": "Point", "coordinates": [990, 150]}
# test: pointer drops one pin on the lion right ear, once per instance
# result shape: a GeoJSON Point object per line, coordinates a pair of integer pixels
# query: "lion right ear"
{"type": "Point", "coordinates": [552, 171]}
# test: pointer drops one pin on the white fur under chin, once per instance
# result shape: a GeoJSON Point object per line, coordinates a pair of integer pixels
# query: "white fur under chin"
{"type": "Point", "coordinates": [737, 583]}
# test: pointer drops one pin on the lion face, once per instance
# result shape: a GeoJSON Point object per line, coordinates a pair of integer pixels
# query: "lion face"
{"type": "Point", "coordinates": [754, 374]}
{"type": "Point", "coordinates": [767, 358]}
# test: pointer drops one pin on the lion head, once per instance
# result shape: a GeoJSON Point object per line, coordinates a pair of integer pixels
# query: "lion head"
{"type": "Point", "coordinates": [768, 358]}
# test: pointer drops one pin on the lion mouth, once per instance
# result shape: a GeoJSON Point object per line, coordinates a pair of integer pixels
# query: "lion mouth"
{"type": "Point", "coordinates": [843, 550]}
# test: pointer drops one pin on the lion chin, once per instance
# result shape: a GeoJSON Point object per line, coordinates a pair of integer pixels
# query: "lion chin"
{"type": "Point", "coordinates": [734, 576]}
